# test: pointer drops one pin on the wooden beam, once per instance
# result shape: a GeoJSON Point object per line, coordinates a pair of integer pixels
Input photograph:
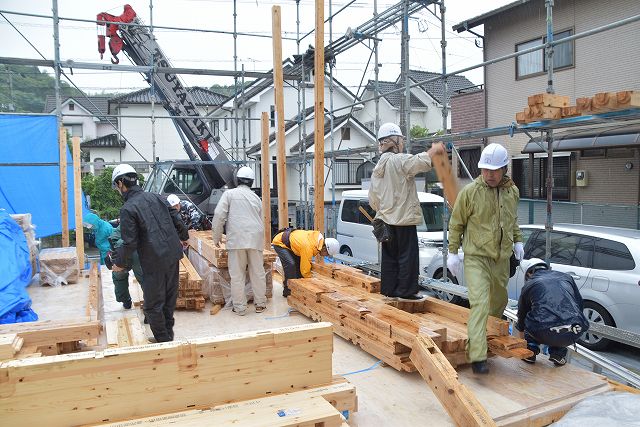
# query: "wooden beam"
{"type": "Point", "coordinates": [445, 175]}
{"type": "Point", "coordinates": [318, 91]}
{"type": "Point", "coordinates": [45, 333]}
{"type": "Point", "coordinates": [64, 198]}
{"type": "Point", "coordinates": [121, 383]}
{"type": "Point", "coordinates": [548, 100]}
{"type": "Point", "coordinates": [458, 401]}
{"type": "Point", "coordinates": [278, 80]}
{"type": "Point", "coordinates": [77, 201]}
{"type": "Point", "coordinates": [265, 182]}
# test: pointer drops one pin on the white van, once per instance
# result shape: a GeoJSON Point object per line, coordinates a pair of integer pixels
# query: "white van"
{"type": "Point", "coordinates": [354, 229]}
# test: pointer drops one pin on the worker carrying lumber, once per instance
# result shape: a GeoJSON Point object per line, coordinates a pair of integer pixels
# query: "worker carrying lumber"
{"type": "Point", "coordinates": [486, 214]}
{"type": "Point", "coordinates": [189, 213]}
{"type": "Point", "coordinates": [241, 210]}
{"type": "Point", "coordinates": [296, 248]}
{"type": "Point", "coordinates": [394, 197]}
{"type": "Point", "coordinates": [101, 230]}
{"type": "Point", "coordinates": [149, 226]}
{"type": "Point", "coordinates": [121, 277]}
{"type": "Point", "coordinates": [549, 311]}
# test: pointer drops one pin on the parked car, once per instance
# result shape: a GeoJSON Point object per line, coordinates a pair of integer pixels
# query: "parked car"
{"type": "Point", "coordinates": [605, 264]}
{"type": "Point", "coordinates": [354, 230]}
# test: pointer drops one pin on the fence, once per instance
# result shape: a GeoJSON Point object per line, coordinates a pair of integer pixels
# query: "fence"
{"type": "Point", "coordinates": [535, 212]}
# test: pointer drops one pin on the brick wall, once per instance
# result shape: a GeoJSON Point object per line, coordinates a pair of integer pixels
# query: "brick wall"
{"type": "Point", "coordinates": [467, 114]}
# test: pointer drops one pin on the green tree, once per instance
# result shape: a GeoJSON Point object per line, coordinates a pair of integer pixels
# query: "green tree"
{"type": "Point", "coordinates": [104, 199]}
{"type": "Point", "coordinates": [418, 132]}
{"type": "Point", "coordinates": [228, 90]}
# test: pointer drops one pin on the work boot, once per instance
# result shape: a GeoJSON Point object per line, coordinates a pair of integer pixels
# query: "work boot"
{"type": "Point", "coordinates": [239, 312]}
{"type": "Point", "coordinates": [558, 360]}
{"type": "Point", "coordinates": [414, 297]}
{"type": "Point", "coordinates": [531, 359]}
{"type": "Point", "coordinates": [127, 304]}
{"type": "Point", "coordinates": [480, 368]}
{"type": "Point", "coordinates": [260, 309]}
{"type": "Point", "coordinates": [286, 292]}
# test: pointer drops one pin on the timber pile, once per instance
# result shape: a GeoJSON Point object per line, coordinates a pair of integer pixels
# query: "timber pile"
{"type": "Point", "coordinates": [545, 106]}
{"type": "Point", "coordinates": [59, 266]}
{"type": "Point", "coordinates": [10, 344]}
{"type": "Point", "coordinates": [190, 296]}
{"type": "Point", "coordinates": [211, 263]}
{"type": "Point", "coordinates": [387, 329]}
{"type": "Point", "coordinates": [348, 276]}
{"type": "Point", "coordinates": [194, 381]}
{"type": "Point", "coordinates": [24, 221]}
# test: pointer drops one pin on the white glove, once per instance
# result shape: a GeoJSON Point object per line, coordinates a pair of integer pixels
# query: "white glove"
{"type": "Point", "coordinates": [518, 249]}
{"type": "Point", "coordinates": [454, 262]}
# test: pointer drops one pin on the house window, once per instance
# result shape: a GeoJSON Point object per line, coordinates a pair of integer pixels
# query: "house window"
{"type": "Point", "coordinates": [346, 171]}
{"type": "Point", "coordinates": [226, 124]}
{"type": "Point", "coordinates": [74, 130]}
{"type": "Point", "coordinates": [345, 134]}
{"type": "Point", "coordinates": [72, 106]}
{"type": "Point", "coordinates": [561, 178]}
{"type": "Point", "coordinates": [272, 120]}
{"type": "Point", "coordinates": [535, 63]}
{"type": "Point", "coordinates": [470, 157]}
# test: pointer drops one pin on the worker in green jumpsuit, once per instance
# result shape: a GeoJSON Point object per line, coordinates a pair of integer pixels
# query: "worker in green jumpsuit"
{"type": "Point", "coordinates": [486, 214]}
{"type": "Point", "coordinates": [121, 278]}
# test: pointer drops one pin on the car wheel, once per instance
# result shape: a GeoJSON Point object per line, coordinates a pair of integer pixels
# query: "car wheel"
{"type": "Point", "coordinates": [446, 296]}
{"type": "Point", "coordinates": [597, 314]}
{"type": "Point", "coordinates": [346, 250]}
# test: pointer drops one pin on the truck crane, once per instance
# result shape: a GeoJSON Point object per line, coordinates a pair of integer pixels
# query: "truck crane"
{"type": "Point", "coordinates": [209, 169]}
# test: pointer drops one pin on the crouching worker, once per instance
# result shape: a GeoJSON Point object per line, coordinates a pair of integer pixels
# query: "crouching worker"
{"type": "Point", "coordinates": [102, 230]}
{"type": "Point", "coordinates": [295, 248]}
{"type": "Point", "coordinates": [121, 278]}
{"type": "Point", "coordinates": [549, 311]}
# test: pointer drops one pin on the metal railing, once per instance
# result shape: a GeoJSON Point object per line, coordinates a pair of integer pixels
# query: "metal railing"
{"type": "Point", "coordinates": [532, 211]}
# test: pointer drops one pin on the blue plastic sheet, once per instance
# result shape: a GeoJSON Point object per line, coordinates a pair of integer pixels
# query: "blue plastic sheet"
{"type": "Point", "coordinates": [33, 189]}
{"type": "Point", "coordinates": [15, 273]}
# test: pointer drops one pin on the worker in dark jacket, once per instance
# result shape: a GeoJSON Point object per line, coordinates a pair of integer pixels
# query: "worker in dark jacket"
{"type": "Point", "coordinates": [549, 311]}
{"type": "Point", "coordinates": [147, 225]}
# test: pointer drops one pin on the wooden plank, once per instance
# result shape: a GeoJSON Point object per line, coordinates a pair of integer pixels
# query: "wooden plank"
{"type": "Point", "coordinates": [360, 280]}
{"type": "Point", "coordinates": [495, 326]}
{"type": "Point", "coordinates": [51, 333]}
{"type": "Point", "coordinates": [64, 197]}
{"type": "Point", "coordinates": [77, 201]}
{"type": "Point", "coordinates": [441, 164]}
{"type": "Point", "coordinates": [520, 117]}
{"type": "Point", "coordinates": [628, 99]}
{"type": "Point", "coordinates": [278, 81]}
{"type": "Point", "coordinates": [318, 121]}
{"type": "Point", "coordinates": [603, 102]}
{"type": "Point", "coordinates": [114, 384]}
{"type": "Point", "coordinates": [571, 111]}
{"type": "Point", "coordinates": [584, 105]}
{"type": "Point", "coordinates": [265, 182]}
{"type": "Point", "coordinates": [548, 100]}
{"type": "Point", "coordinates": [457, 400]}
{"type": "Point", "coordinates": [95, 292]}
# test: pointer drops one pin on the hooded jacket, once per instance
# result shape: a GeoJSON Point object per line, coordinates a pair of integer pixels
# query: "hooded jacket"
{"type": "Point", "coordinates": [487, 218]}
{"type": "Point", "coordinates": [305, 244]}
{"type": "Point", "coordinates": [102, 230]}
{"type": "Point", "coordinates": [393, 193]}
{"type": "Point", "coordinates": [241, 209]}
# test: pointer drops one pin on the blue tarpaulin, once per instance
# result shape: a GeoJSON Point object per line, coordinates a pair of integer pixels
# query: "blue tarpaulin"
{"type": "Point", "coordinates": [15, 273]}
{"type": "Point", "coordinates": [28, 188]}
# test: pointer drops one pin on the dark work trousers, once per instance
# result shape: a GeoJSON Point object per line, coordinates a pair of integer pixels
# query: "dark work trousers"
{"type": "Point", "coordinates": [557, 343]}
{"type": "Point", "coordinates": [400, 262]}
{"type": "Point", "coordinates": [121, 279]}
{"type": "Point", "coordinates": [290, 266]}
{"type": "Point", "coordinates": [160, 289]}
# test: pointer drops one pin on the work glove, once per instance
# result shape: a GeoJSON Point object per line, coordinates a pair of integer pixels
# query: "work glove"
{"type": "Point", "coordinates": [454, 262]}
{"type": "Point", "coordinates": [518, 250]}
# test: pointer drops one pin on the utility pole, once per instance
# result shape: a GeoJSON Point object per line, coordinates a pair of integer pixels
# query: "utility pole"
{"type": "Point", "coordinates": [548, 50]}
{"type": "Point", "coordinates": [405, 107]}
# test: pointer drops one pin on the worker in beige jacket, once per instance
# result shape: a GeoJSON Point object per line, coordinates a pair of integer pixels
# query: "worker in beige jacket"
{"type": "Point", "coordinates": [241, 210]}
{"type": "Point", "coordinates": [394, 197]}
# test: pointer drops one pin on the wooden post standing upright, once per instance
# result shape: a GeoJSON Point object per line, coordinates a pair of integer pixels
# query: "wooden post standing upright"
{"type": "Point", "coordinates": [64, 199]}
{"type": "Point", "coordinates": [77, 201]}
{"type": "Point", "coordinates": [264, 180]}
{"type": "Point", "coordinates": [318, 173]}
{"type": "Point", "coordinates": [278, 80]}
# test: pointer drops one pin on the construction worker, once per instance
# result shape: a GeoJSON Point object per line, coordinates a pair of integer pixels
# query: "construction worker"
{"type": "Point", "coordinates": [101, 230]}
{"type": "Point", "coordinates": [189, 213]}
{"type": "Point", "coordinates": [241, 210]}
{"type": "Point", "coordinates": [295, 248]}
{"type": "Point", "coordinates": [394, 197]}
{"type": "Point", "coordinates": [121, 278]}
{"type": "Point", "coordinates": [148, 226]}
{"type": "Point", "coordinates": [549, 311]}
{"type": "Point", "coordinates": [486, 214]}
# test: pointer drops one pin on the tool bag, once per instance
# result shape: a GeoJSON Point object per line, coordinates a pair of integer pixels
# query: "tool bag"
{"type": "Point", "coordinates": [382, 231]}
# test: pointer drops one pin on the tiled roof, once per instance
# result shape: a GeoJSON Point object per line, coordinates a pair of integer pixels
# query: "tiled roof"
{"type": "Point", "coordinates": [201, 96]}
{"type": "Point", "coordinates": [435, 89]}
{"type": "Point", "coordinates": [107, 141]}
{"type": "Point", "coordinates": [96, 105]}
{"type": "Point", "coordinates": [394, 98]}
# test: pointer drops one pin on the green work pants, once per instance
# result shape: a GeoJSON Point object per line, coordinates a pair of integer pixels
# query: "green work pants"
{"type": "Point", "coordinates": [121, 279]}
{"type": "Point", "coordinates": [486, 281]}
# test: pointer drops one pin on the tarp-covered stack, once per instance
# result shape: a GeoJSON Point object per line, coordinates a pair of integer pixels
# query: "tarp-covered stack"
{"type": "Point", "coordinates": [190, 295]}
{"type": "Point", "coordinates": [24, 221]}
{"type": "Point", "coordinates": [59, 266]}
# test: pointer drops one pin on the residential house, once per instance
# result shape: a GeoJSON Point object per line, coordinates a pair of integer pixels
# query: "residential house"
{"type": "Point", "coordinates": [467, 115]}
{"type": "Point", "coordinates": [603, 62]}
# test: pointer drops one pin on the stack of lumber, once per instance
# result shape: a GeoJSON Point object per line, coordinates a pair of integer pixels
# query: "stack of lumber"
{"type": "Point", "coordinates": [348, 276]}
{"type": "Point", "coordinates": [10, 344]}
{"type": "Point", "coordinates": [212, 263]}
{"type": "Point", "coordinates": [24, 221]}
{"type": "Point", "coordinates": [190, 296]}
{"type": "Point", "coordinates": [546, 106]}
{"type": "Point", "coordinates": [284, 370]}
{"type": "Point", "coordinates": [59, 266]}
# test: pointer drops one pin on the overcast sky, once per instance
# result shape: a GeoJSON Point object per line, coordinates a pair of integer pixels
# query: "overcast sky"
{"type": "Point", "coordinates": [215, 51]}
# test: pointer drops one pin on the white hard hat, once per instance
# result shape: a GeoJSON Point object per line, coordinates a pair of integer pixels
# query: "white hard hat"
{"type": "Point", "coordinates": [528, 264]}
{"type": "Point", "coordinates": [120, 170]}
{"type": "Point", "coordinates": [246, 172]}
{"type": "Point", "coordinates": [389, 129]}
{"type": "Point", "coordinates": [173, 200]}
{"type": "Point", "coordinates": [494, 156]}
{"type": "Point", "coordinates": [333, 246]}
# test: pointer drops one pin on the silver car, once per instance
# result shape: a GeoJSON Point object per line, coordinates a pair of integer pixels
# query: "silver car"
{"type": "Point", "coordinates": [603, 261]}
